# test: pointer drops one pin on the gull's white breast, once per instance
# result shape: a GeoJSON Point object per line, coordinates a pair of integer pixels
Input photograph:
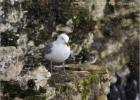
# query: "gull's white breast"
{"type": "Point", "coordinates": [60, 53]}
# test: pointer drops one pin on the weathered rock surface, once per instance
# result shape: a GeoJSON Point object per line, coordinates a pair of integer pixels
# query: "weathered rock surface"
{"type": "Point", "coordinates": [79, 82]}
{"type": "Point", "coordinates": [19, 82]}
{"type": "Point", "coordinates": [29, 84]}
{"type": "Point", "coordinates": [11, 63]}
{"type": "Point", "coordinates": [39, 76]}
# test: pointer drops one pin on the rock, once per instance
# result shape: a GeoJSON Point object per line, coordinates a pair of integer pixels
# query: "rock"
{"type": "Point", "coordinates": [94, 7]}
{"type": "Point", "coordinates": [66, 29]}
{"type": "Point", "coordinates": [33, 56]}
{"type": "Point", "coordinates": [16, 98]}
{"type": "Point", "coordinates": [82, 53]}
{"type": "Point", "coordinates": [79, 82]}
{"type": "Point", "coordinates": [79, 88]}
{"type": "Point", "coordinates": [102, 97]}
{"type": "Point", "coordinates": [114, 93]}
{"type": "Point", "coordinates": [48, 94]}
{"type": "Point", "coordinates": [30, 84]}
{"type": "Point", "coordinates": [5, 27]}
{"type": "Point", "coordinates": [39, 76]}
{"type": "Point", "coordinates": [22, 42]}
{"type": "Point", "coordinates": [131, 89]}
{"type": "Point", "coordinates": [86, 67]}
{"type": "Point", "coordinates": [11, 63]}
{"type": "Point", "coordinates": [97, 9]}
{"type": "Point", "coordinates": [105, 83]}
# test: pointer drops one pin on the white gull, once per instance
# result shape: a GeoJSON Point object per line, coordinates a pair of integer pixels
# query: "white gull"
{"type": "Point", "coordinates": [57, 51]}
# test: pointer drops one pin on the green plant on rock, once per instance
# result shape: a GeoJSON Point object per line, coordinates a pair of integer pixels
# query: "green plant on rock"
{"type": "Point", "coordinates": [86, 85]}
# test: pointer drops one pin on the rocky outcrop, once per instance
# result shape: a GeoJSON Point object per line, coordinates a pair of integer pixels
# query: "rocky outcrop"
{"type": "Point", "coordinates": [11, 63]}
{"type": "Point", "coordinates": [29, 84]}
{"type": "Point", "coordinates": [80, 82]}
{"type": "Point", "coordinates": [39, 76]}
{"type": "Point", "coordinates": [17, 81]}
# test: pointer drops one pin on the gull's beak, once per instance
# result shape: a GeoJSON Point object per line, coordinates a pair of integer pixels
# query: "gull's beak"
{"type": "Point", "coordinates": [67, 43]}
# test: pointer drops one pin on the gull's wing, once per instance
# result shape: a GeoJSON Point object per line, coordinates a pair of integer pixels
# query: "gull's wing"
{"type": "Point", "coordinates": [48, 48]}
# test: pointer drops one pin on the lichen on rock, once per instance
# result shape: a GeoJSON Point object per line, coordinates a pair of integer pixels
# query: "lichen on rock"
{"type": "Point", "coordinates": [11, 62]}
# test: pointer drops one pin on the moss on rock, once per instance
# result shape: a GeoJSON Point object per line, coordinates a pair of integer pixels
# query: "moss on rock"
{"type": "Point", "coordinates": [82, 88]}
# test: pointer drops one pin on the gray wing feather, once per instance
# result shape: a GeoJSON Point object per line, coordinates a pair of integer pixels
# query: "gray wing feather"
{"type": "Point", "coordinates": [48, 48]}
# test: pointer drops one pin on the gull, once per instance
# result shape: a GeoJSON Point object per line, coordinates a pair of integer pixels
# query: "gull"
{"type": "Point", "coordinates": [58, 50]}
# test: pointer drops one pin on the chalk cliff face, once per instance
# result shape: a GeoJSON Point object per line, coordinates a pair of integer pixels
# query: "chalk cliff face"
{"type": "Point", "coordinates": [104, 41]}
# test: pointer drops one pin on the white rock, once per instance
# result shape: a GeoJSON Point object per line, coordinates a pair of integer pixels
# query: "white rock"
{"type": "Point", "coordinates": [40, 76]}
{"type": "Point", "coordinates": [11, 63]}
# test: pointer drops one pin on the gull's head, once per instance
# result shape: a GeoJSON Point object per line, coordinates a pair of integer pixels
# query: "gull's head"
{"type": "Point", "coordinates": [63, 38]}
